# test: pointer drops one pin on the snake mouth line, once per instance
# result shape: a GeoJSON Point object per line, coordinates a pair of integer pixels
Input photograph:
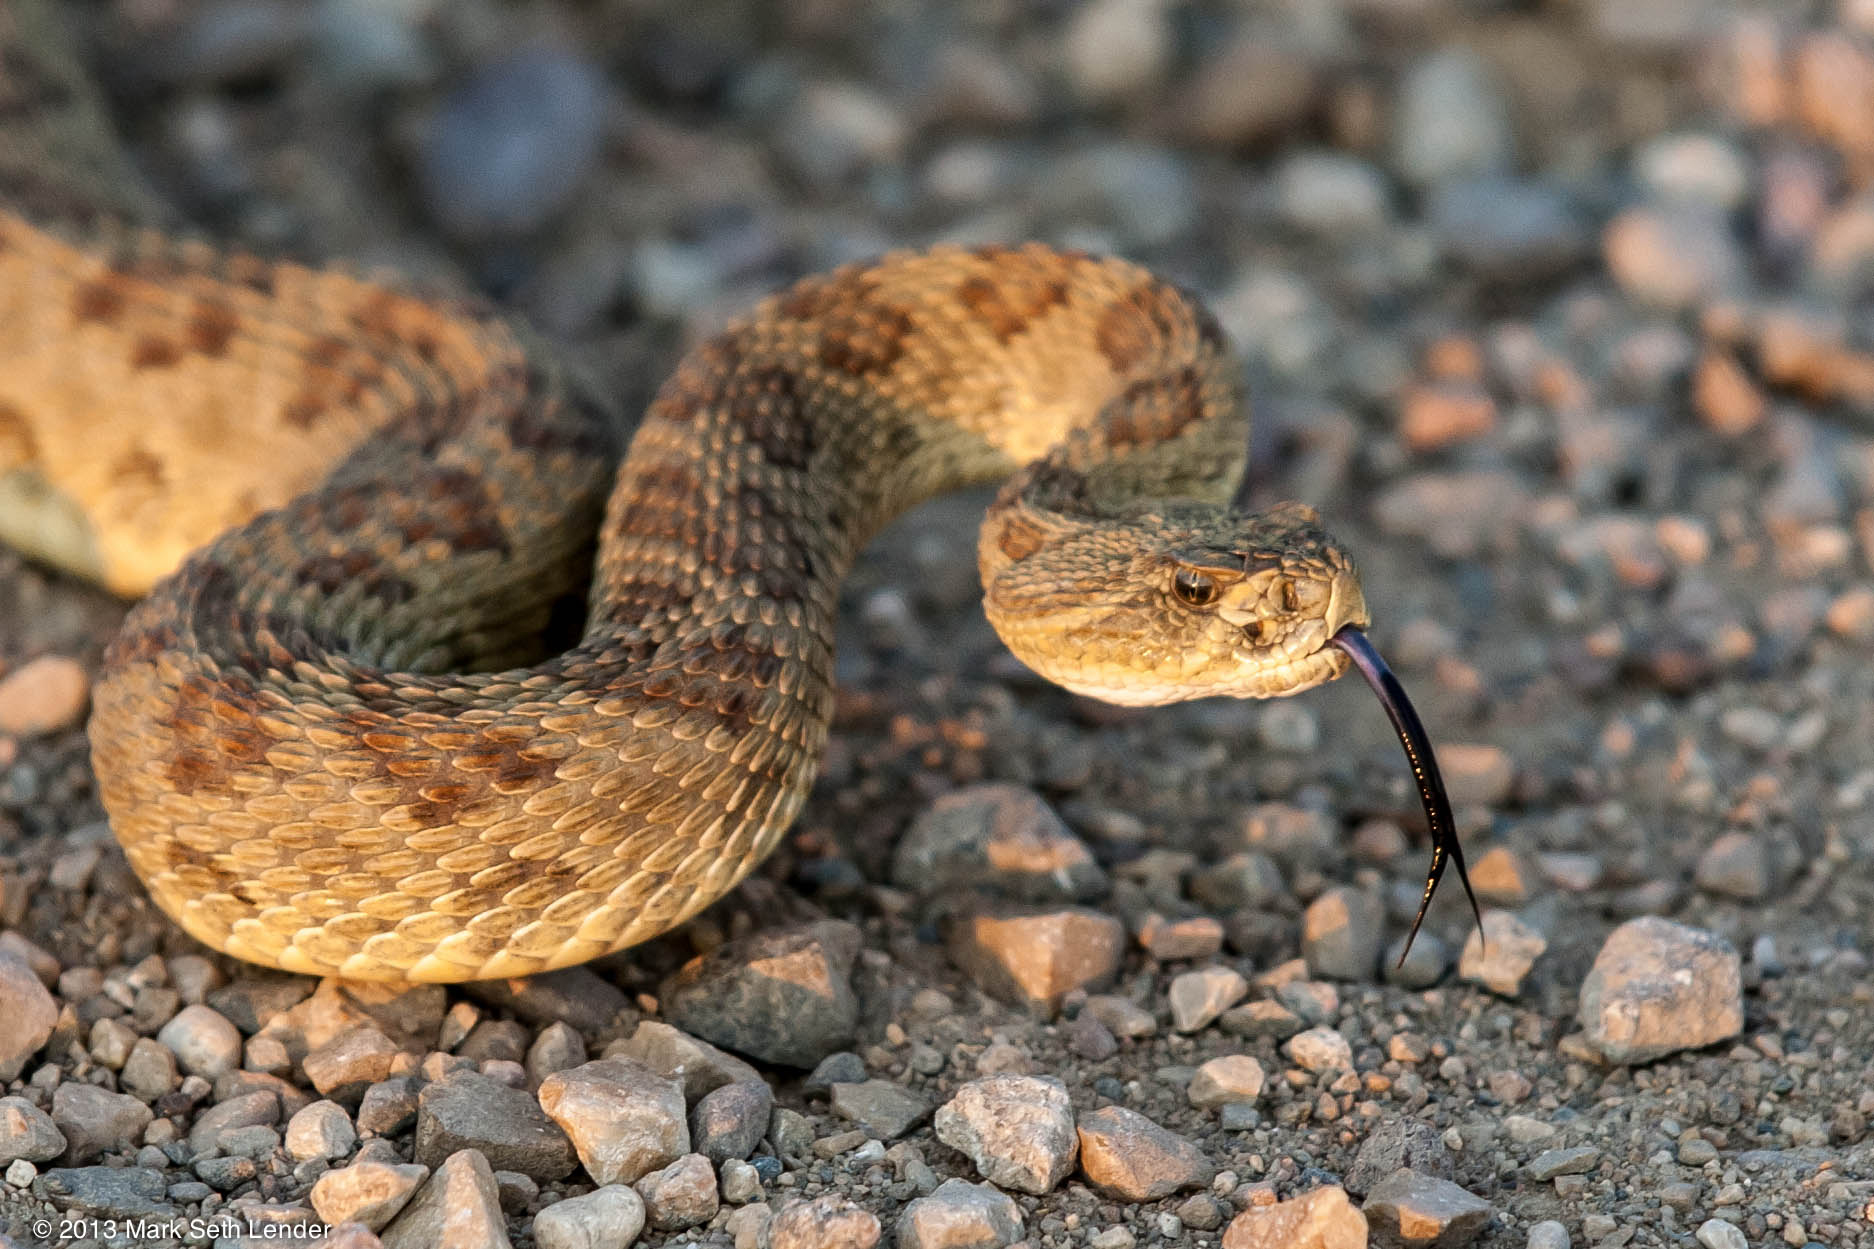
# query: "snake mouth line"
{"type": "Point", "coordinates": [1424, 765]}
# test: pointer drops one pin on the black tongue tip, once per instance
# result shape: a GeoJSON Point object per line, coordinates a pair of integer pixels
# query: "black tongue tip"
{"type": "Point", "coordinates": [1424, 765]}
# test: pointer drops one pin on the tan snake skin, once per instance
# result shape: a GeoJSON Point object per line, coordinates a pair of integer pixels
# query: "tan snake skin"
{"type": "Point", "coordinates": [308, 737]}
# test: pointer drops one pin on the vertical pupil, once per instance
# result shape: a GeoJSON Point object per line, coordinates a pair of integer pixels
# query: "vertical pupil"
{"type": "Point", "coordinates": [1195, 587]}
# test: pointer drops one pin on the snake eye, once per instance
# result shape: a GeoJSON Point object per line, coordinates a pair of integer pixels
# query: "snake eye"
{"type": "Point", "coordinates": [1291, 597]}
{"type": "Point", "coordinates": [1193, 588]}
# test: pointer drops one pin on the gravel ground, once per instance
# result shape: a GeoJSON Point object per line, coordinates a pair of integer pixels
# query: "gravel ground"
{"type": "Point", "coordinates": [1560, 312]}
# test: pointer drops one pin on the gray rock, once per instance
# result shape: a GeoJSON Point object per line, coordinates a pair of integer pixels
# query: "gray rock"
{"type": "Point", "coordinates": [322, 1130]}
{"type": "Point", "coordinates": [368, 1192]}
{"type": "Point", "coordinates": [778, 996]}
{"type": "Point", "coordinates": [1737, 865]}
{"type": "Point", "coordinates": [845, 1067]}
{"type": "Point", "coordinates": [149, 1071]}
{"type": "Point", "coordinates": [1242, 879]}
{"type": "Point", "coordinates": [576, 996]}
{"type": "Point", "coordinates": [1424, 1210]}
{"type": "Point", "coordinates": [1501, 954]}
{"type": "Point", "coordinates": [1722, 1234]}
{"type": "Point", "coordinates": [1700, 168]}
{"type": "Point", "coordinates": [459, 1206]}
{"type": "Point", "coordinates": [1017, 1130]}
{"type": "Point", "coordinates": [829, 1222]}
{"type": "Point", "coordinates": [1198, 997]}
{"type": "Point", "coordinates": [1421, 967]}
{"type": "Point", "coordinates": [388, 1107]}
{"type": "Point", "coordinates": [624, 1119]}
{"type": "Point", "coordinates": [728, 1122]}
{"type": "Point", "coordinates": [960, 1215]}
{"type": "Point", "coordinates": [204, 1042]}
{"type": "Point", "coordinates": [1550, 1163]}
{"type": "Point", "coordinates": [606, 1218]}
{"type": "Point", "coordinates": [106, 1192]}
{"type": "Point", "coordinates": [1125, 1155]}
{"type": "Point", "coordinates": [343, 1067]}
{"type": "Point", "coordinates": [559, 1047]}
{"type": "Point", "coordinates": [225, 1174]}
{"type": "Point", "coordinates": [27, 1132]}
{"type": "Point", "coordinates": [1658, 987]}
{"type": "Point", "coordinates": [1548, 1234]}
{"type": "Point", "coordinates": [94, 1120]}
{"type": "Point", "coordinates": [505, 1125]}
{"type": "Point", "coordinates": [999, 837]}
{"type": "Point", "coordinates": [1451, 120]}
{"type": "Point", "coordinates": [741, 1182]}
{"type": "Point", "coordinates": [885, 1110]}
{"type": "Point", "coordinates": [681, 1195]}
{"type": "Point", "coordinates": [1503, 229]}
{"type": "Point", "coordinates": [30, 1013]}
{"type": "Point", "coordinates": [1331, 193]}
{"type": "Point", "coordinates": [1395, 1144]}
{"type": "Point", "coordinates": [1146, 192]}
{"type": "Point", "coordinates": [512, 145]}
{"type": "Point", "coordinates": [1341, 932]}
{"type": "Point", "coordinates": [697, 1065]}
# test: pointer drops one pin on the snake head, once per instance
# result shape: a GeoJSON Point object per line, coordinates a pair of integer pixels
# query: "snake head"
{"type": "Point", "coordinates": [1175, 601]}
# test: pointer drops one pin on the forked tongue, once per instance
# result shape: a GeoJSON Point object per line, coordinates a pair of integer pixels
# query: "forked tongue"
{"type": "Point", "coordinates": [1424, 764]}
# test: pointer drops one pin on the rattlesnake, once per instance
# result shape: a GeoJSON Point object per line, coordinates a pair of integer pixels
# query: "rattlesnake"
{"type": "Point", "coordinates": [309, 735]}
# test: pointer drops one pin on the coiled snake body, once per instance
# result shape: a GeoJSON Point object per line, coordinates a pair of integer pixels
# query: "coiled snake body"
{"type": "Point", "coordinates": [309, 736]}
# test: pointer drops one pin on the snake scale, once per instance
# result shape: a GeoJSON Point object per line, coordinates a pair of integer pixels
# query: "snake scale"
{"type": "Point", "coordinates": [353, 511]}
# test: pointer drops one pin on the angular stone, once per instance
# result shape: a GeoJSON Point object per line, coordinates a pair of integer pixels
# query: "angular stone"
{"type": "Point", "coordinates": [368, 1192]}
{"type": "Point", "coordinates": [728, 1122]}
{"type": "Point", "coordinates": [30, 1013]}
{"type": "Point", "coordinates": [106, 1192]}
{"type": "Point", "coordinates": [1396, 1143]}
{"type": "Point", "coordinates": [1126, 1156]}
{"type": "Point", "coordinates": [885, 1110]}
{"type": "Point", "coordinates": [1501, 954]}
{"type": "Point", "coordinates": [577, 996]}
{"type": "Point", "coordinates": [828, 1222]}
{"type": "Point", "coordinates": [777, 996]}
{"type": "Point", "coordinates": [343, 1067]}
{"type": "Point", "coordinates": [1001, 837]}
{"type": "Point", "coordinates": [1550, 1163]}
{"type": "Point", "coordinates": [681, 1195]}
{"type": "Point", "coordinates": [1035, 960]}
{"type": "Point", "coordinates": [1341, 932]}
{"type": "Point", "coordinates": [1321, 1219]}
{"type": "Point", "coordinates": [27, 1132]}
{"type": "Point", "coordinates": [698, 1066]}
{"type": "Point", "coordinates": [459, 1208]}
{"type": "Point", "coordinates": [505, 1125]}
{"type": "Point", "coordinates": [1658, 987]}
{"type": "Point", "coordinates": [1424, 1212]}
{"type": "Point", "coordinates": [1017, 1130]}
{"type": "Point", "coordinates": [1221, 1081]}
{"type": "Point", "coordinates": [960, 1215]}
{"type": "Point", "coordinates": [1198, 997]}
{"type": "Point", "coordinates": [624, 1119]}
{"type": "Point", "coordinates": [95, 1120]}
{"type": "Point", "coordinates": [1320, 1049]}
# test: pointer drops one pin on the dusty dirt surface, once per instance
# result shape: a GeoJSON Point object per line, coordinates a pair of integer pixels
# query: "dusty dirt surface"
{"type": "Point", "coordinates": [1559, 312]}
